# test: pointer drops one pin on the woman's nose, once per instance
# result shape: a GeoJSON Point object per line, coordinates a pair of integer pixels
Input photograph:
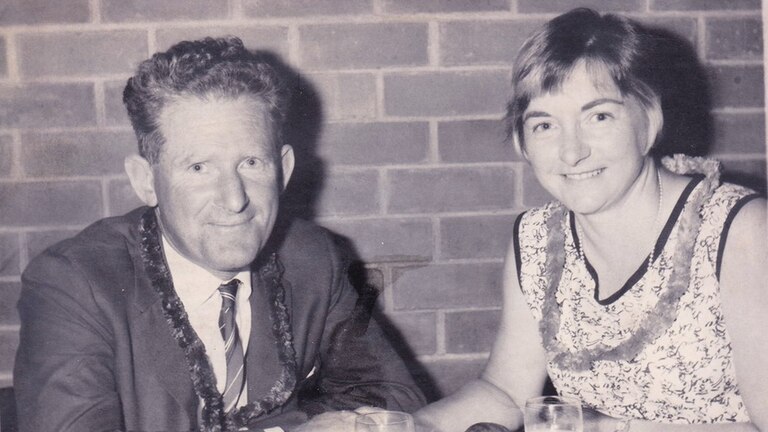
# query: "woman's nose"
{"type": "Point", "coordinates": [573, 148]}
{"type": "Point", "coordinates": [232, 195]}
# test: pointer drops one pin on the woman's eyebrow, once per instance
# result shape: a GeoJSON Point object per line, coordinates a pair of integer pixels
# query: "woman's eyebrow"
{"type": "Point", "coordinates": [532, 114]}
{"type": "Point", "coordinates": [600, 101]}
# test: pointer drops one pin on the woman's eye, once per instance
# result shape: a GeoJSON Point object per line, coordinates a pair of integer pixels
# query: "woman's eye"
{"type": "Point", "coordinates": [541, 127]}
{"type": "Point", "coordinates": [601, 116]}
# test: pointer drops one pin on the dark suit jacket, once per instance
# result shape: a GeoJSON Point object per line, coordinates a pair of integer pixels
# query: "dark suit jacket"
{"type": "Point", "coordinates": [96, 352]}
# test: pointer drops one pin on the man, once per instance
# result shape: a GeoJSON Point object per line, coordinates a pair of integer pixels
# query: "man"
{"type": "Point", "coordinates": [199, 311]}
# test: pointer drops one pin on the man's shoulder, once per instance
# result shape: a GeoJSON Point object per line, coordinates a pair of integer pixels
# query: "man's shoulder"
{"type": "Point", "coordinates": [304, 242]}
{"type": "Point", "coordinates": [100, 241]}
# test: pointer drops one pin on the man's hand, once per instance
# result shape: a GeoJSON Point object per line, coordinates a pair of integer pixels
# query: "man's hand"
{"type": "Point", "coordinates": [334, 421]}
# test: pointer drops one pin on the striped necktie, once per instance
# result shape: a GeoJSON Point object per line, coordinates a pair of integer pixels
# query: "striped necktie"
{"type": "Point", "coordinates": [233, 347]}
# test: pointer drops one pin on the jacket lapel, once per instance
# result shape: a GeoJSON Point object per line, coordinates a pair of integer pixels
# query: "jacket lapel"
{"type": "Point", "coordinates": [162, 354]}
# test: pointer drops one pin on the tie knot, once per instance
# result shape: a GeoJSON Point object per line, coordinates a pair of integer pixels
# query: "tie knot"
{"type": "Point", "coordinates": [229, 289]}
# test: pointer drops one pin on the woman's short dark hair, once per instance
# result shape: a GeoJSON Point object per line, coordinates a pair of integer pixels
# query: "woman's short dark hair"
{"type": "Point", "coordinates": [603, 42]}
{"type": "Point", "coordinates": [218, 68]}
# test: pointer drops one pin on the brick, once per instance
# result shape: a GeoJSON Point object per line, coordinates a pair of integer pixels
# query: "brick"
{"type": "Point", "coordinates": [44, 11]}
{"type": "Point", "coordinates": [50, 203]}
{"type": "Point", "coordinates": [38, 241]}
{"type": "Point", "coordinates": [81, 53]}
{"type": "Point", "coordinates": [480, 42]}
{"type": "Point", "coordinates": [692, 5]}
{"type": "Point", "coordinates": [734, 39]}
{"type": "Point", "coordinates": [349, 193]}
{"type": "Point", "coordinates": [6, 155]}
{"type": "Point", "coordinates": [279, 8]}
{"type": "Point", "coordinates": [75, 153]}
{"type": "Point", "coordinates": [471, 331]}
{"type": "Point", "coordinates": [271, 38]}
{"type": "Point", "coordinates": [121, 197]}
{"type": "Point", "coordinates": [447, 376]}
{"type": "Point", "coordinates": [474, 141]}
{"type": "Point", "coordinates": [419, 329]}
{"type": "Point", "coordinates": [445, 93]}
{"type": "Point", "coordinates": [450, 189]}
{"type": "Point", "coordinates": [9, 342]}
{"type": "Point", "coordinates": [9, 254]}
{"type": "Point", "coordinates": [167, 10]}
{"type": "Point", "coordinates": [533, 193]}
{"type": "Point", "coordinates": [368, 45]}
{"type": "Point", "coordinates": [346, 96]}
{"type": "Point", "coordinates": [447, 286]}
{"type": "Point", "coordinates": [561, 6]}
{"type": "Point", "coordinates": [737, 86]}
{"type": "Point", "coordinates": [445, 6]}
{"type": "Point", "coordinates": [9, 296]}
{"type": "Point", "coordinates": [374, 143]}
{"type": "Point", "coordinates": [47, 105]}
{"type": "Point", "coordinates": [739, 133]}
{"type": "Point", "coordinates": [750, 173]}
{"type": "Point", "coordinates": [475, 236]}
{"type": "Point", "coordinates": [114, 110]}
{"type": "Point", "coordinates": [387, 240]}
{"type": "Point", "coordinates": [681, 27]}
{"type": "Point", "coordinates": [3, 59]}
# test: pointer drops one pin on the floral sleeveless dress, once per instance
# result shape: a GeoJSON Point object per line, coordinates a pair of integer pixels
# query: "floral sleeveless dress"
{"type": "Point", "coordinates": [686, 375]}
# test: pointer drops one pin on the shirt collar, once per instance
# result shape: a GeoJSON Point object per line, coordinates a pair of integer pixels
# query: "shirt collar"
{"type": "Point", "coordinates": [194, 284]}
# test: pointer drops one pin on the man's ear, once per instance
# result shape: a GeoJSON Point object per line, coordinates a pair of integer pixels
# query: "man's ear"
{"type": "Point", "coordinates": [655, 123]}
{"type": "Point", "coordinates": [288, 161]}
{"type": "Point", "coordinates": [142, 179]}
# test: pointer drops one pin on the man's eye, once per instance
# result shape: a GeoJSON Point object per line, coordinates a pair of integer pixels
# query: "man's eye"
{"type": "Point", "coordinates": [197, 167]}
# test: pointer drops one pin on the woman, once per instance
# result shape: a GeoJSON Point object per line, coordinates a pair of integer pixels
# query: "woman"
{"type": "Point", "coordinates": [642, 289]}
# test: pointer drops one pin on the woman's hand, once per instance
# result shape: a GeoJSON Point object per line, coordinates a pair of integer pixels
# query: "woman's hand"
{"type": "Point", "coordinates": [598, 422]}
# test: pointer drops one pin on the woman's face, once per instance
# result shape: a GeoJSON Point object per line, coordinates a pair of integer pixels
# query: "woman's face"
{"type": "Point", "coordinates": [586, 142]}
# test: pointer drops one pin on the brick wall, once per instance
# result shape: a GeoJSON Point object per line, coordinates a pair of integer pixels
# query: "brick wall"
{"type": "Point", "coordinates": [411, 93]}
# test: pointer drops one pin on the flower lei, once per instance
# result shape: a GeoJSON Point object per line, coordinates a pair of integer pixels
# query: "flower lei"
{"type": "Point", "coordinates": [214, 419]}
{"type": "Point", "coordinates": [661, 317]}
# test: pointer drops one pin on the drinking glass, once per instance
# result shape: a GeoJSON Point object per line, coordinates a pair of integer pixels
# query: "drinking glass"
{"type": "Point", "coordinates": [384, 421]}
{"type": "Point", "coordinates": [553, 413]}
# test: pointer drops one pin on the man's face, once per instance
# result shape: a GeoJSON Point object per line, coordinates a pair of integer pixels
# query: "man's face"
{"type": "Point", "coordinates": [217, 181]}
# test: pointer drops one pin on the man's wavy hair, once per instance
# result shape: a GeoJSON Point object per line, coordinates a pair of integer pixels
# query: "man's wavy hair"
{"type": "Point", "coordinates": [607, 42]}
{"type": "Point", "coordinates": [206, 68]}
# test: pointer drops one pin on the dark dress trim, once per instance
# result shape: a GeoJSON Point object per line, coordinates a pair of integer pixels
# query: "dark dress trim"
{"type": "Point", "coordinates": [727, 226]}
{"type": "Point", "coordinates": [516, 247]}
{"type": "Point", "coordinates": [661, 241]}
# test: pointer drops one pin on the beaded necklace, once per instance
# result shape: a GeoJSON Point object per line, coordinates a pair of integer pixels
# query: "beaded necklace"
{"type": "Point", "coordinates": [580, 245]}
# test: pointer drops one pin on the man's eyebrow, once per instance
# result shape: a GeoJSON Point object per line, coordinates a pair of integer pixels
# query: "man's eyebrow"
{"type": "Point", "coordinates": [533, 114]}
{"type": "Point", "coordinates": [600, 101]}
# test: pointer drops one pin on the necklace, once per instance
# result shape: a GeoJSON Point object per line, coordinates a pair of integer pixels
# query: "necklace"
{"type": "Point", "coordinates": [660, 204]}
{"type": "Point", "coordinates": [663, 314]}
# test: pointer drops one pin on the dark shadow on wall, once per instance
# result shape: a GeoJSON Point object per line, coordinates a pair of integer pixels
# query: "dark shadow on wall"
{"type": "Point", "coordinates": [302, 131]}
{"type": "Point", "coordinates": [686, 99]}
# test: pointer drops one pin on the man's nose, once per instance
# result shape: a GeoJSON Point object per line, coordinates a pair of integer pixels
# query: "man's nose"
{"type": "Point", "coordinates": [231, 193]}
{"type": "Point", "coordinates": [573, 148]}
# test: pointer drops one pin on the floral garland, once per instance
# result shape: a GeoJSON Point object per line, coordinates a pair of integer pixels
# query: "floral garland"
{"type": "Point", "coordinates": [661, 317]}
{"type": "Point", "coordinates": [214, 419]}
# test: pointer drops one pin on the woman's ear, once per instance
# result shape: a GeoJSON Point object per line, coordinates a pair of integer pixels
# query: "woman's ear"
{"type": "Point", "coordinates": [142, 180]}
{"type": "Point", "coordinates": [655, 123]}
{"type": "Point", "coordinates": [288, 161]}
{"type": "Point", "coordinates": [517, 143]}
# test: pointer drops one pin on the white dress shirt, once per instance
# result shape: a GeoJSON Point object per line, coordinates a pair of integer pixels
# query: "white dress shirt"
{"type": "Point", "coordinates": [198, 291]}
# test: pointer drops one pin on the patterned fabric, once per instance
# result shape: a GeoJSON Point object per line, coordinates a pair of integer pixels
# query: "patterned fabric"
{"type": "Point", "coordinates": [684, 376]}
{"type": "Point", "coordinates": [233, 347]}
